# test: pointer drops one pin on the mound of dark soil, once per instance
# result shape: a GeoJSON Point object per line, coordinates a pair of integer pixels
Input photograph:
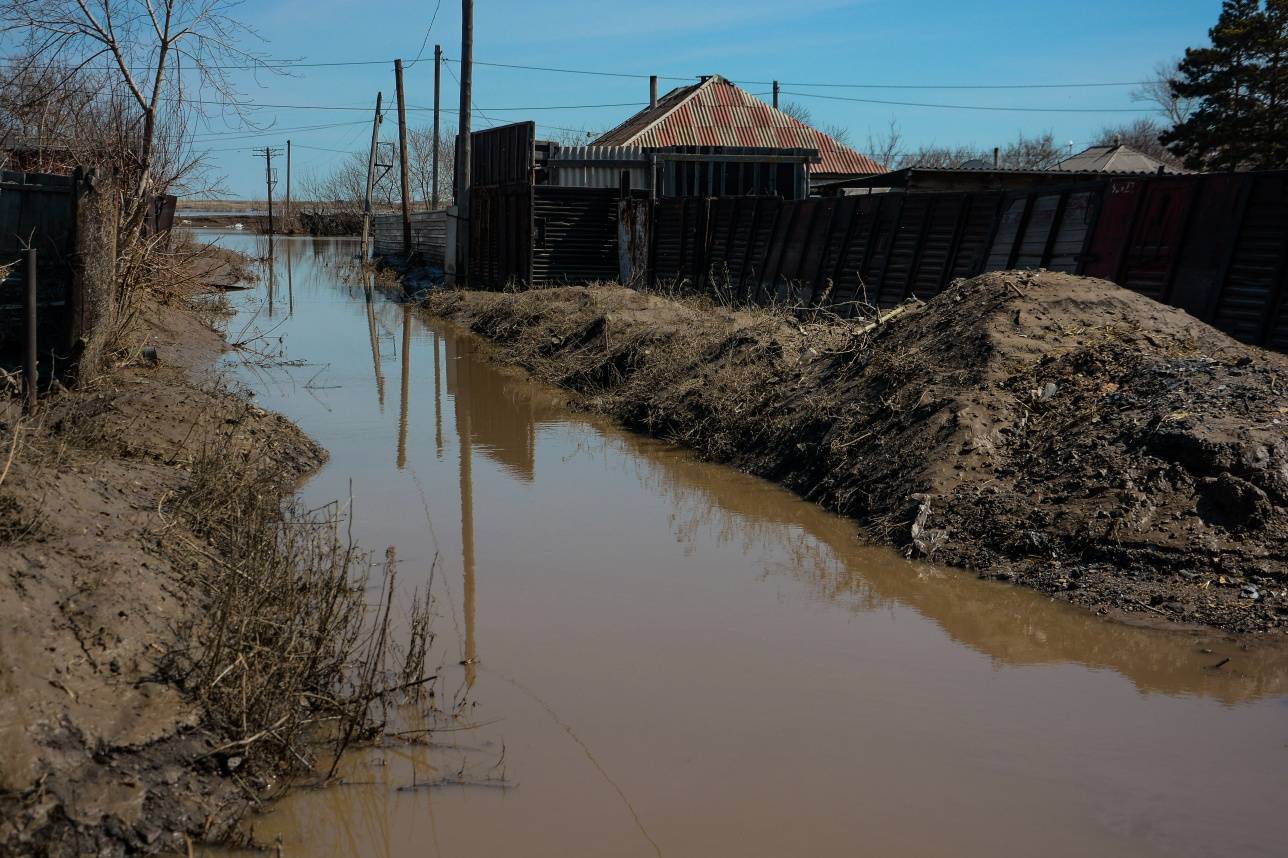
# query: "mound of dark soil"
{"type": "Point", "coordinates": [1057, 431]}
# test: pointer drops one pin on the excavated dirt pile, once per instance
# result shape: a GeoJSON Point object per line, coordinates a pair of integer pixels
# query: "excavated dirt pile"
{"type": "Point", "coordinates": [1056, 431]}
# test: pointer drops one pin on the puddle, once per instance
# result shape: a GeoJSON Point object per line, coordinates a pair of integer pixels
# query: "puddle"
{"type": "Point", "coordinates": [672, 658]}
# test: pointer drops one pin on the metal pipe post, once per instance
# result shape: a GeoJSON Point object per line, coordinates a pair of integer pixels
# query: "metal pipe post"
{"type": "Point", "coordinates": [30, 365]}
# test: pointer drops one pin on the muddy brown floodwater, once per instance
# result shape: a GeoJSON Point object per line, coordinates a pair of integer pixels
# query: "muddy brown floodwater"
{"type": "Point", "coordinates": [668, 657]}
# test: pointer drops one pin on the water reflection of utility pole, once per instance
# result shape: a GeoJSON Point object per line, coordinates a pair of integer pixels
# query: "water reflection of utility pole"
{"type": "Point", "coordinates": [375, 343]}
{"type": "Point", "coordinates": [270, 265]}
{"type": "Point", "coordinates": [406, 373]}
{"type": "Point", "coordinates": [438, 400]}
{"type": "Point", "coordinates": [464, 429]}
{"type": "Point", "coordinates": [290, 283]}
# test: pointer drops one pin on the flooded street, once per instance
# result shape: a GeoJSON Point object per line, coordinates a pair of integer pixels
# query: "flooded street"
{"type": "Point", "coordinates": [666, 657]}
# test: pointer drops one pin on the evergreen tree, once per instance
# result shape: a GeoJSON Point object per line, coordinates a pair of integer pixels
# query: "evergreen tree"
{"type": "Point", "coordinates": [1241, 85]}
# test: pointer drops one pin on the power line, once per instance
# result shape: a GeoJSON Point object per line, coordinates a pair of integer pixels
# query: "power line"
{"type": "Point", "coordinates": [797, 83]}
{"type": "Point", "coordinates": [574, 71]}
{"type": "Point", "coordinates": [424, 42]}
{"type": "Point", "coordinates": [966, 85]}
{"type": "Point", "coordinates": [970, 106]}
{"type": "Point", "coordinates": [249, 135]}
{"type": "Point", "coordinates": [300, 64]}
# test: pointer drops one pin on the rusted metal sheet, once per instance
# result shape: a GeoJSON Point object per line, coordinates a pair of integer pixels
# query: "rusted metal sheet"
{"type": "Point", "coordinates": [1154, 248]}
{"type": "Point", "coordinates": [715, 112]}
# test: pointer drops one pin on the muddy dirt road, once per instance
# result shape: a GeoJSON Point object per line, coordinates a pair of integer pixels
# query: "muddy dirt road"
{"type": "Point", "coordinates": [667, 657]}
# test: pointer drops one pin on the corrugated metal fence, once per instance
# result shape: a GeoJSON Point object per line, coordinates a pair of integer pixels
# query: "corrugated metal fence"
{"type": "Point", "coordinates": [1214, 245]}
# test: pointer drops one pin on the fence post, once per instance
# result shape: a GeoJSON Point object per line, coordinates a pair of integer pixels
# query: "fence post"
{"type": "Point", "coordinates": [91, 293]}
{"type": "Point", "coordinates": [30, 367]}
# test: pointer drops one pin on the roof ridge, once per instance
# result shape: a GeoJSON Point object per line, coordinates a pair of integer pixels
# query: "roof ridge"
{"type": "Point", "coordinates": [694, 89]}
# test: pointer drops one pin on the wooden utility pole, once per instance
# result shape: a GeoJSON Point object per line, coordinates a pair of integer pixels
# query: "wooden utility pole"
{"type": "Point", "coordinates": [288, 184]}
{"type": "Point", "coordinates": [463, 145]}
{"type": "Point", "coordinates": [371, 176]}
{"type": "Point", "coordinates": [268, 155]}
{"type": "Point", "coordinates": [438, 69]}
{"type": "Point", "coordinates": [775, 95]}
{"type": "Point", "coordinates": [402, 158]}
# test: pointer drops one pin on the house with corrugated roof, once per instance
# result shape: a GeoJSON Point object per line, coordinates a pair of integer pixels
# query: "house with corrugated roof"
{"type": "Point", "coordinates": [717, 113]}
{"type": "Point", "coordinates": [1115, 157]}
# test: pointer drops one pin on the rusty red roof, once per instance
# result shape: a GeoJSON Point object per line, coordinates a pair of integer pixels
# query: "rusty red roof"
{"type": "Point", "coordinates": [716, 112]}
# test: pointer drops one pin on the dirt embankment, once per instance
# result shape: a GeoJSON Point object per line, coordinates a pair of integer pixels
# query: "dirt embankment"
{"type": "Point", "coordinates": [1055, 431]}
{"type": "Point", "coordinates": [100, 751]}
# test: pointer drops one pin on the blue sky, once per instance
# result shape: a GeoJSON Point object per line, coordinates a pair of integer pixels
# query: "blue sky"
{"type": "Point", "coordinates": [877, 42]}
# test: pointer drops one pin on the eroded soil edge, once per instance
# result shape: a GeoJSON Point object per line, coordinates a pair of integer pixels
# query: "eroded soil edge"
{"type": "Point", "coordinates": [99, 751]}
{"type": "Point", "coordinates": [1055, 431]}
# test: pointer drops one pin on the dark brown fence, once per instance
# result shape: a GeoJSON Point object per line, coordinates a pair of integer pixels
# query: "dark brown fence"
{"type": "Point", "coordinates": [39, 211]}
{"type": "Point", "coordinates": [71, 221]}
{"type": "Point", "coordinates": [574, 236]}
{"type": "Point", "coordinates": [1215, 245]}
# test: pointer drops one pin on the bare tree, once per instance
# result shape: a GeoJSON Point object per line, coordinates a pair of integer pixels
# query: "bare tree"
{"type": "Point", "coordinates": [421, 157]}
{"type": "Point", "coordinates": [1159, 92]}
{"type": "Point", "coordinates": [802, 114]}
{"type": "Point", "coordinates": [1140, 134]}
{"type": "Point", "coordinates": [934, 157]}
{"type": "Point", "coordinates": [1039, 152]}
{"type": "Point", "coordinates": [797, 111]}
{"type": "Point", "coordinates": [572, 136]}
{"type": "Point", "coordinates": [885, 147]}
{"type": "Point", "coordinates": [154, 61]}
{"type": "Point", "coordinates": [838, 132]}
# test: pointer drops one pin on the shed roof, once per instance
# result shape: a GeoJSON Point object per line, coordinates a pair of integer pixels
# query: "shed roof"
{"type": "Point", "coordinates": [716, 112]}
{"type": "Point", "coordinates": [1116, 158]}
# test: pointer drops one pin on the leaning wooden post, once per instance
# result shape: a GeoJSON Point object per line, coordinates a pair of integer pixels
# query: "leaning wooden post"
{"type": "Point", "coordinates": [30, 367]}
{"type": "Point", "coordinates": [371, 177]}
{"type": "Point", "coordinates": [404, 170]}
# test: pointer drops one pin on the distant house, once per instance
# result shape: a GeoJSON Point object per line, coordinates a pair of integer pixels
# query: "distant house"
{"type": "Point", "coordinates": [717, 113]}
{"type": "Point", "coordinates": [1113, 158]}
